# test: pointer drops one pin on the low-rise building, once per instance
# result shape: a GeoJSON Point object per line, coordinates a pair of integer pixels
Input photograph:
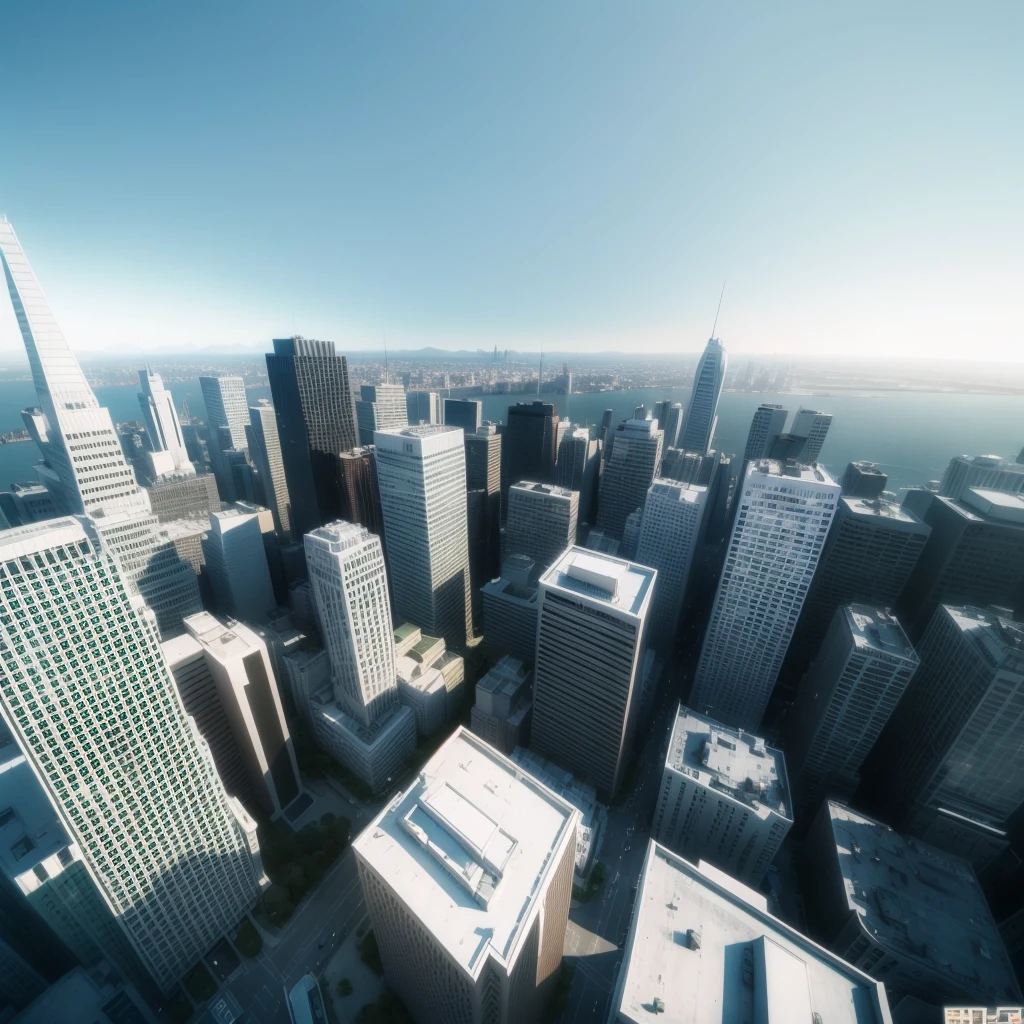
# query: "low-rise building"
{"type": "Point", "coordinates": [724, 797]}
{"type": "Point", "coordinates": [87, 997]}
{"type": "Point", "coordinates": [467, 877]}
{"type": "Point", "coordinates": [908, 914]}
{"type": "Point", "coordinates": [501, 714]}
{"type": "Point", "coordinates": [429, 677]}
{"type": "Point", "coordinates": [703, 949]}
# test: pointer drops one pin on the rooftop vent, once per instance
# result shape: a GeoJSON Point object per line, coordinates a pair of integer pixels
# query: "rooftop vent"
{"type": "Point", "coordinates": [693, 938]}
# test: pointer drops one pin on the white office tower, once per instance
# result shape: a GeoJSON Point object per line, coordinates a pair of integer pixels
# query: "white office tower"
{"type": "Point", "coordinates": [590, 656]}
{"type": "Point", "coordinates": [92, 704]}
{"type": "Point", "coordinates": [703, 949]}
{"type": "Point", "coordinates": [541, 521]}
{"type": "Point", "coordinates": [811, 425]}
{"type": "Point", "coordinates": [702, 409]}
{"type": "Point", "coordinates": [380, 407]}
{"type": "Point", "coordinates": [782, 520]}
{"type": "Point", "coordinates": [223, 673]}
{"type": "Point", "coordinates": [265, 452]}
{"type": "Point", "coordinates": [724, 797]}
{"type": "Point", "coordinates": [768, 423]}
{"type": "Point", "coordinates": [166, 453]}
{"type": "Point", "coordinates": [360, 720]}
{"type": "Point", "coordinates": [669, 530]}
{"type": "Point", "coordinates": [844, 700]}
{"type": "Point", "coordinates": [226, 408]}
{"type": "Point", "coordinates": [84, 468]}
{"type": "Point", "coordinates": [422, 476]}
{"type": "Point", "coordinates": [236, 561]}
{"type": "Point", "coordinates": [633, 461]}
{"type": "Point", "coordinates": [467, 877]}
{"type": "Point", "coordinates": [578, 467]}
{"type": "Point", "coordinates": [988, 472]}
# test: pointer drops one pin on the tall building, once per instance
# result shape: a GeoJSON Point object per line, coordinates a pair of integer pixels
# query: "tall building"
{"type": "Point", "coordinates": [463, 412]}
{"type": "Point", "coordinates": [863, 480]}
{"type": "Point", "coordinates": [768, 423]}
{"type": "Point", "coordinates": [974, 555]}
{"type": "Point", "coordinates": [174, 857]}
{"type": "Point", "coordinates": [724, 797]}
{"type": "Point", "coordinates": [631, 464]}
{"type": "Point", "coordinates": [702, 407]}
{"type": "Point", "coordinates": [423, 408]}
{"type": "Point", "coordinates": [914, 918]}
{"type": "Point", "coordinates": [511, 605]}
{"type": "Point", "coordinates": [265, 452]}
{"type": "Point", "coordinates": [578, 468]}
{"type": "Point", "coordinates": [669, 531]}
{"type": "Point", "coordinates": [166, 445]}
{"type": "Point", "coordinates": [673, 424]}
{"type": "Point", "coordinates": [227, 683]}
{"type": "Point", "coordinates": [467, 878]}
{"type": "Point", "coordinates": [783, 517]}
{"type": "Point", "coordinates": [590, 655]}
{"type": "Point", "coordinates": [360, 494]}
{"type": "Point", "coordinates": [813, 427]}
{"type": "Point", "coordinates": [316, 420]}
{"type": "Point", "coordinates": [528, 446]}
{"type": "Point", "coordinates": [184, 497]}
{"type": "Point", "coordinates": [989, 472]}
{"type": "Point", "coordinates": [949, 764]}
{"type": "Point", "coordinates": [483, 476]}
{"type": "Point", "coordinates": [380, 407]}
{"type": "Point", "coordinates": [844, 701]}
{"type": "Point", "coordinates": [703, 949]}
{"type": "Point", "coordinates": [236, 562]}
{"type": "Point", "coordinates": [541, 521]}
{"type": "Point", "coordinates": [422, 477]}
{"type": "Point", "coordinates": [227, 407]}
{"type": "Point", "coordinates": [870, 553]}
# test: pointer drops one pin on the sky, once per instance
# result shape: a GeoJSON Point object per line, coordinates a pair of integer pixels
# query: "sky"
{"type": "Point", "coordinates": [578, 175]}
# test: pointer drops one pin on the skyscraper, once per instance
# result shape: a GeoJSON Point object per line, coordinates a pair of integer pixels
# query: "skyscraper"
{"type": "Point", "coordinates": [590, 654]}
{"type": "Point", "coordinates": [84, 467]}
{"type": "Point", "coordinates": [236, 561]}
{"type": "Point", "coordinates": [380, 407]}
{"type": "Point", "coordinates": [528, 445]}
{"type": "Point", "coordinates": [422, 476]}
{"type": "Point", "coordinates": [97, 716]}
{"type": "Point", "coordinates": [316, 421]}
{"type": "Point", "coordinates": [673, 425]}
{"type": "Point", "coordinates": [360, 494]}
{"type": "Point", "coordinates": [986, 471]}
{"type": "Point", "coordinates": [541, 521]}
{"type": "Point", "coordinates": [857, 679]}
{"type": "Point", "coordinates": [781, 523]}
{"type": "Point", "coordinates": [669, 531]}
{"type": "Point", "coordinates": [463, 412]}
{"type": "Point", "coordinates": [265, 452]}
{"type": "Point", "coordinates": [974, 555]}
{"type": "Point", "coordinates": [769, 421]}
{"type": "Point", "coordinates": [863, 480]}
{"type": "Point", "coordinates": [702, 408]}
{"type": "Point", "coordinates": [631, 465]}
{"type": "Point", "coordinates": [166, 445]}
{"type": "Point", "coordinates": [483, 495]}
{"type": "Point", "coordinates": [869, 555]}
{"type": "Point", "coordinates": [226, 406]}
{"type": "Point", "coordinates": [423, 408]}
{"type": "Point", "coordinates": [949, 764]}
{"type": "Point", "coordinates": [813, 427]}
{"type": "Point", "coordinates": [578, 468]}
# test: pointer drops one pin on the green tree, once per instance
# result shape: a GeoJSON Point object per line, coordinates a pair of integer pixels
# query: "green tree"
{"type": "Point", "coordinates": [344, 988]}
{"type": "Point", "coordinates": [248, 939]}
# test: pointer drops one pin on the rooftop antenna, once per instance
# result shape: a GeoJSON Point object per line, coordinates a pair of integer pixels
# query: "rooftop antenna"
{"type": "Point", "coordinates": [719, 310]}
{"type": "Point", "coordinates": [540, 372]}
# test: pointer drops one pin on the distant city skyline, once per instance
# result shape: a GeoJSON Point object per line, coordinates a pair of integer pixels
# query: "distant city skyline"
{"type": "Point", "coordinates": [582, 178]}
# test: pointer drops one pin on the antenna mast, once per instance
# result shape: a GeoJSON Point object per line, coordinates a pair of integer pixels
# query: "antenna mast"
{"type": "Point", "coordinates": [387, 379]}
{"type": "Point", "coordinates": [719, 310]}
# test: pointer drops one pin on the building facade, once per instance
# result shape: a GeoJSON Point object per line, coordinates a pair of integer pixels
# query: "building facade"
{"type": "Point", "coordinates": [236, 562]}
{"type": "Point", "coordinates": [380, 407]}
{"type": "Point", "coordinates": [578, 468]}
{"type": "Point", "coordinates": [769, 421]}
{"type": "Point", "coordinates": [702, 408]}
{"type": "Point", "coordinates": [466, 413]}
{"type": "Point", "coordinates": [226, 407]}
{"type": "Point", "coordinates": [529, 444]}
{"type": "Point", "coordinates": [632, 461]}
{"type": "Point", "coordinates": [166, 444]}
{"type": "Point", "coordinates": [986, 471]}
{"type": "Point", "coordinates": [423, 408]}
{"type": "Point", "coordinates": [265, 452]}
{"type": "Point", "coordinates": [863, 480]}
{"type": "Point", "coordinates": [541, 521]}
{"type": "Point", "coordinates": [812, 426]}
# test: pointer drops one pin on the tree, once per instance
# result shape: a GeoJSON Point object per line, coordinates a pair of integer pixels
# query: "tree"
{"type": "Point", "coordinates": [248, 939]}
{"type": "Point", "coordinates": [344, 988]}
{"type": "Point", "coordinates": [278, 904]}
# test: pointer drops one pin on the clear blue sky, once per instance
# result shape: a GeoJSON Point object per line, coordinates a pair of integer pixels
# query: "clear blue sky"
{"type": "Point", "coordinates": [582, 174]}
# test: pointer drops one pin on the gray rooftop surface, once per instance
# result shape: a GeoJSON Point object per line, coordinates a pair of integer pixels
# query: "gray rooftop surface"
{"type": "Point", "coordinates": [602, 579]}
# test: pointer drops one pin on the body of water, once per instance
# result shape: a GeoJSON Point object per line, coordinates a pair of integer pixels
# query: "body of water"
{"type": "Point", "coordinates": [912, 435]}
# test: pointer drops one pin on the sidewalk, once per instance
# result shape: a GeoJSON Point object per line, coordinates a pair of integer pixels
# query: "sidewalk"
{"type": "Point", "coordinates": [345, 963]}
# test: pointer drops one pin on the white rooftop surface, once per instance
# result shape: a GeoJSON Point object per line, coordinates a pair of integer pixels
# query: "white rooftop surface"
{"type": "Point", "coordinates": [177, 528]}
{"type": "Point", "coordinates": [1000, 636]}
{"type": "Point", "coordinates": [997, 504]}
{"type": "Point", "coordinates": [730, 760]}
{"type": "Point", "coordinates": [748, 967]}
{"type": "Point", "coordinates": [875, 629]}
{"type": "Point", "coordinates": [805, 474]}
{"type": "Point", "coordinates": [467, 848]}
{"type": "Point", "coordinates": [24, 540]}
{"type": "Point", "coordinates": [602, 579]}
{"type": "Point", "coordinates": [879, 508]}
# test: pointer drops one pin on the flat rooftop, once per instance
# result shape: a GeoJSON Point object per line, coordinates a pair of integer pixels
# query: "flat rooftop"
{"type": "Point", "coordinates": [552, 490]}
{"type": "Point", "coordinates": [223, 640]}
{"type": "Point", "coordinates": [703, 949]}
{"type": "Point", "coordinates": [507, 677]}
{"type": "Point", "coordinates": [602, 579]}
{"type": "Point", "coordinates": [876, 629]}
{"type": "Point", "coordinates": [792, 471]}
{"type": "Point", "coordinates": [998, 636]}
{"type": "Point", "coordinates": [729, 760]}
{"type": "Point", "coordinates": [879, 508]}
{"type": "Point", "coordinates": [920, 902]}
{"type": "Point", "coordinates": [996, 504]}
{"type": "Point", "coordinates": [468, 848]}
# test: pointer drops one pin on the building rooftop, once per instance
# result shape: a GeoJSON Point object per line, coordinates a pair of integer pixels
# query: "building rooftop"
{"type": "Point", "coordinates": [703, 949]}
{"type": "Point", "coordinates": [793, 470]}
{"type": "Point", "coordinates": [222, 639]}
{"type": "Point", "coordinates": [922, 903]}
{"type": "Point", "coordinates": [552, 489]}
{"type": "Point", "coordinates": [405, 631]}
{"type": "Point", "coordinates": [504, 588]}
{"type": "Point", "coordinates": [732, 761]}
{"type": "Point", "coordinates": [995, 634]}
{"type": "Point", "coordinates": [176, 529]}
{"type": "Point", "coordinates": [87, 997]}
{"type": "Point", "coordinates": [505, 678]}
{"type": "Point", "coordinates": [876, 629]}
{"type": "Point", "coordinates": [602, 580]}
{"type": "Point", "coordinates": [467, 847]}
{"type": "Point", "coordinates": [878, 508]}
{"type": "Point", "coordinates": [996, 504]}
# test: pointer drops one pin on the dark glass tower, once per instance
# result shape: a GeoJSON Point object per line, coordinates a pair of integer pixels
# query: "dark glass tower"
{"type": "Point", "coordinates": [528, 444]}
